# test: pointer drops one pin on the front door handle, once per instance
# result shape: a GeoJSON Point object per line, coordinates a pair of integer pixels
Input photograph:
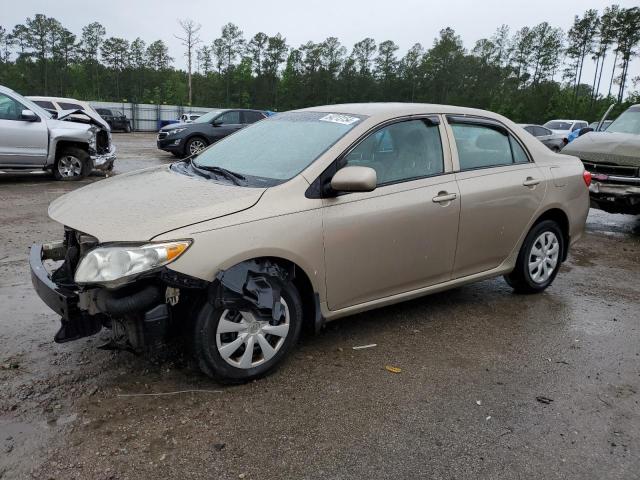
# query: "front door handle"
{"type": "Point", "coordinates": [444, 197]}
{"type": "Point", "coordinates": [531, 182]}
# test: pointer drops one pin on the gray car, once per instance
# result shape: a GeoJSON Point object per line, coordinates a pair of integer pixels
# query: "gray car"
{"type": "Point", "coordinates": [70, 146]}
{"type": "Point", "coordinates": [552, 140]}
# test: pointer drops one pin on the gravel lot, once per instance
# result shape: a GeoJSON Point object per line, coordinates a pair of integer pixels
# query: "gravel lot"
{"type": "Point", "coordinates": [493, 385]}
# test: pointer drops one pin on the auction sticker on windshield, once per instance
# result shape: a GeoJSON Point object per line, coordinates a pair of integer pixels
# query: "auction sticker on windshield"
{"type": "Point", "coordinates": [337, 118]}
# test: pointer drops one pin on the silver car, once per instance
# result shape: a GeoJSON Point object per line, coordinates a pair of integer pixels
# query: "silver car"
{"type": "Point", "coordinates": [70, 147]}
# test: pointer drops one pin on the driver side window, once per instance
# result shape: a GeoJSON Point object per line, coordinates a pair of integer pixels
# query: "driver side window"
{"type": "Point", "coordinates": [9, 108]}
{"type": "Point", "coordinates": [399, 152]}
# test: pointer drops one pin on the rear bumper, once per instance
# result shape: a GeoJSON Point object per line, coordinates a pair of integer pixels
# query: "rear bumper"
{"type": "Point", "coordinates": [104, 161]}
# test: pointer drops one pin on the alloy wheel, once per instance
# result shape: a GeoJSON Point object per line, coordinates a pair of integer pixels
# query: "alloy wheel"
{"type": "Point", "coordinates": [543, 257]}
{"type": "Point", "coordinates": [69, 166]}
{"type": "Point", "coordinates": [196, 146]}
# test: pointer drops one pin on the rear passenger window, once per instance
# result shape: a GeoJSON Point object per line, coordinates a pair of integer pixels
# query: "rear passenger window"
{"type": "Point", "coordinates": [401, 152]}
{"type": "Point", "coordinates": [480, 146]}
{"type": "Point", "coordinates": [252, 117]}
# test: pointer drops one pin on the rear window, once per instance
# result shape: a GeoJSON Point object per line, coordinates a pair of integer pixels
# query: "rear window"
{"type": "Point", "coordinates": [69, 106]}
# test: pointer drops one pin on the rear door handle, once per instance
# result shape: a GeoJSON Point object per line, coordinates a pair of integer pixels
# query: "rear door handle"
{"type": "Point", "coordinates": [444, 197]}
{"type": "Point", "coordinates": [531, 182]}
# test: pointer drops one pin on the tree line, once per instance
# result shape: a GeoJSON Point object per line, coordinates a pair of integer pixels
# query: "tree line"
{"type": "Point", "coordinates": [532, 74]}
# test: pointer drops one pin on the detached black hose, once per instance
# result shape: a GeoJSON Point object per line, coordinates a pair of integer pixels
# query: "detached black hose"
{"type": "Point", "coordinates": [139, 301]}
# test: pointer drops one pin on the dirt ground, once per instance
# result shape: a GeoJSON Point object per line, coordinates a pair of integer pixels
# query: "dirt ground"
{"type": "Point", "coordinates": [493, 385]}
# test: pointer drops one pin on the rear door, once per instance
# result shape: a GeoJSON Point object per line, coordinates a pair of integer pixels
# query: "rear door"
{"type": "Point", "coordinates": [22, 143]}
{"type": "Point", "coordinates": [500, 191]}
{"type": "Point", "coordinates": [401, 236]}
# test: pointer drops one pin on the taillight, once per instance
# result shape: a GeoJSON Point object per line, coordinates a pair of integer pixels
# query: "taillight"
{"type": "Point", "coordinates": [586, 176]}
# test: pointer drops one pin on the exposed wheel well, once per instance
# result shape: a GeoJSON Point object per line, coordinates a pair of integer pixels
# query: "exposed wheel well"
{"type": "Point", "coordinates": [307, 294]}
{"type": "Point", "coordinates": [562, 220]}
{"type": "Point", "coordinates": [62, 144]}
{"type": "Point", "coordinates": [310, 306]}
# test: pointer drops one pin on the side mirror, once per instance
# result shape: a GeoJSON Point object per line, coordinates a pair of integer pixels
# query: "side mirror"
{"type": "Point", "coordinates": [217, 122]}
{"type": "Point", "coordinates": [354, 179]}
{"type": "Point", "coordinates": [29, 116]}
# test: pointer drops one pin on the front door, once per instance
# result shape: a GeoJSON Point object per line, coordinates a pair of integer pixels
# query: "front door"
{"type": "Point", "coordinates": [401, 236]}
{"type": "Point", "coordinates": [22, 143]}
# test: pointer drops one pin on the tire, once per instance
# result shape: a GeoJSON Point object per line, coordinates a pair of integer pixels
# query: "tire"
{"type": "Point", "coordinates": [208, 342]}
{"type": "Point", "coordinates": [191, 146]}
{"type": "Point", "coordinates": [177, 154]}
{"type": "Point", "coordinates": [127, 128]}
{"type": "Point", "coordinates": [72, 163]}
{"type": "Point", "coordinates": [545, 242]}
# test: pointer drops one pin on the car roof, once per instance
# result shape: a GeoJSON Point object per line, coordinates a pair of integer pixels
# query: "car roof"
{"type": "Point", "coordinates": [382, 110]}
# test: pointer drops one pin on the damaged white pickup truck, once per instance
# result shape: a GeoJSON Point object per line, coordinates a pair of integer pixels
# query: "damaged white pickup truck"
{"type": "Point", "coordinates": [70, 146]}
{"type": "Point", "coordinates": [613, 158]}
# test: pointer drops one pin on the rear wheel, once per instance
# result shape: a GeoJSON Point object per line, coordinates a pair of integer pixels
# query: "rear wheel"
{"type": "Point", "coordinates": [539, 259]}
{"type": "Point", "coordinates": [71, 164]}
{"type": "Point", "coordinates": [235, 346]}
{"type": "Point", "coordinates": [127, 128]}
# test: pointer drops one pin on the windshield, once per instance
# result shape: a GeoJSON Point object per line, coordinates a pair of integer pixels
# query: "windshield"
{"type": "Point", "coordinates": [628, 122]}
{"type": "Point", "coordinates": [208, 117]}
{"type": "Point", "coordinates": [558, 125]}
{"type": "Point", "coordinates": [278, 148]}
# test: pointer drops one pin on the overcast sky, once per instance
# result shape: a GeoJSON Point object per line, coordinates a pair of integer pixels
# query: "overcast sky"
{"type": "Point", "coordinates": [403, 21]}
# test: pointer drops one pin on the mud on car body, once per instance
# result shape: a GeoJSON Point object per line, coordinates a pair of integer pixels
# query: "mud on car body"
{"type": "Point", "coordinates": [613, 158]}
{"type": "Point", "coordinates": [306, 217]}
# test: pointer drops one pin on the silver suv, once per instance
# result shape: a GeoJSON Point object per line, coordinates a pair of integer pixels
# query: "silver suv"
{"type": "Point", "coordinates": [70, 146]}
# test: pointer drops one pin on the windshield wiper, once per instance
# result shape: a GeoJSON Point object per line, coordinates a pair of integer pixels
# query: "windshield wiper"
{"type": "Point", "coordinates": [235, 177]}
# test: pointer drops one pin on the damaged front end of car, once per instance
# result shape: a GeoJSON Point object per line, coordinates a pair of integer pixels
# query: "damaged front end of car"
{"type": "Point", "coordinates": [127, 289]}
{"type": "Point", "coordinates": [139, 309]}
{"type": "Point", "coordinates": [613, 159]}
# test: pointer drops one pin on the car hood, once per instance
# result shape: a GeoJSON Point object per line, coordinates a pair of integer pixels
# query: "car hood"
{"type": "Point", "coordinates": [171, 126]}
{"type": "Point", "coordinates": [93, 118]}
{"type": "Point", "coordinates": [140, 205]}
{"type": "Point", "coordinates": [606, 147]}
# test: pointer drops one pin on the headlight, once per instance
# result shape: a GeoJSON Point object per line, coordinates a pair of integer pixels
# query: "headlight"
{"type": "Point", "coordinates": [176, 130]}
{"type": "Point", "coordinates": [92, 139]}
{"type": "Point", "coordinates": [118, 263]}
